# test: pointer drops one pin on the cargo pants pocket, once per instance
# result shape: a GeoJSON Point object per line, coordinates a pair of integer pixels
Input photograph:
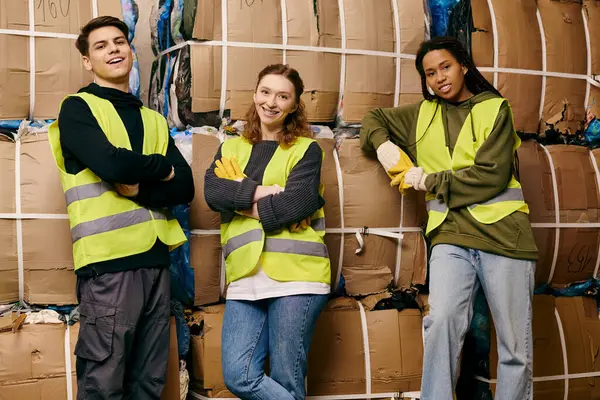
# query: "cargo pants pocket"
{"type": "Point", "coordinates": [97, 326]}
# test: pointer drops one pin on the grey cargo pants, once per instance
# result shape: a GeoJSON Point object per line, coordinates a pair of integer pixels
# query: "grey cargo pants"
{"type": "Point", "coordinates": [123, 343]}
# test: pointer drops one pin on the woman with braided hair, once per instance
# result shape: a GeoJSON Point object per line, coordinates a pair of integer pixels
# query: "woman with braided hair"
{"type": "Point", "coordinates": [463, 141]}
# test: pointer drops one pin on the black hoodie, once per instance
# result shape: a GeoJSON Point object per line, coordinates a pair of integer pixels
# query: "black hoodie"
{"type": "Point", "coordinates": [84, 145]}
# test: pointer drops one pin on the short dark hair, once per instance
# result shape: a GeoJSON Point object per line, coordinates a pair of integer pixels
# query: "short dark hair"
{"type": "Point", "coordinates": [82, 43]}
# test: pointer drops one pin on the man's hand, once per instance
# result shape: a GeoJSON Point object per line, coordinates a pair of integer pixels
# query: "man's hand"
{"type": "Point", "coordinates": [302, 225]}
{"type": "Point", "coordinates": [127, 190]}
{"type": "Point", "coordinates": [171, 175]}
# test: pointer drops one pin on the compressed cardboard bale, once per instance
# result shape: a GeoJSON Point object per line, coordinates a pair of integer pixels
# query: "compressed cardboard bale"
{"type": "Point", "coordinates": [374, 269]}
{"type": "Point", "coordinates": [370, 81]}
{"type": "Point", "coordinates": [9, 284]}
{"type": "Point", "coordinates": [592, 13]}
{"type": "Point", "coordinates": [337, 355]}
{"type": "Point", "coordinates": [206, 374]}
{"type": "Point", "coordinates": [46, 243]}
{"type": "Point", "coordinates": [58, 66]}
{"type": "Point", "coordinates": [515, 20]}
{"type": "Point", "coordinates": [205, 249]}
{"type": "Point", "coordinates": [578, 203]}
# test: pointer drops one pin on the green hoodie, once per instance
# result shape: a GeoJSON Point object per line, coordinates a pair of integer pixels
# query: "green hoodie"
{"type": "Point", "coordinates": [510, 237]}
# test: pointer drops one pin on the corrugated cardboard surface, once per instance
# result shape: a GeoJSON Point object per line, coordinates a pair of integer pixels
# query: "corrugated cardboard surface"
{"type": "Point", "coordinates": [58, 66]}
{"type": "Point", "coordinates": [580, 324]}
{"type": "Point", "coordinates": [369, 81]}
{"type": "Point", "coordinates": [34, 367]}
{"type": "Point", "coordinates": [592, 11]}
{"type": "Point", "coordinates": [207, 372]}
{"type": "Point", "coordinates": [520, 46]}
{"type": "Point", "coordinates": [205, 249]}
{"type": "Point", "coordinates": [578, 203]}
{"type": "Point", "coordinates": [372, 270]}
{"type": "Point", "coordinates": [47, 249]}
{"type": "Point", "coordinates": [171, 388]}
{"type": "Point", "coordinates": [336, 359]}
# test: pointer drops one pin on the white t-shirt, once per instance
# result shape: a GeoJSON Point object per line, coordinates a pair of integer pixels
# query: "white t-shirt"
{"type": "Point", "coordinates": [258, 286]}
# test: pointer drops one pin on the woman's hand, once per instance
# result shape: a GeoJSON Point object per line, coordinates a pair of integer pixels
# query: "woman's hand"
{"type": "Point", "coordinates": [265, 191]}
{"type": "Point", "coordinates": [252, 212]}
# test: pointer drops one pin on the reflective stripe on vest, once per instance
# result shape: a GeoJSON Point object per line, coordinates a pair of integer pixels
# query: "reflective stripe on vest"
{"type": "Point", "coordinates": [318, 224]}
{"type": "Point", "coordinates": [273, 245]}
{"type": "Point", "coordinates": [509, 194]}
{"type": "Point", "coordinates": [239, 241]}
{"type": "Point", "coordinates": [88, 191]}
{"type": "Point", "coordinates": [433, 156]}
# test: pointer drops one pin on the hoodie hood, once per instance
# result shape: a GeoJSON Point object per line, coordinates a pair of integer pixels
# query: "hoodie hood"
{"type": "Point", "coordinates": [454, 116]}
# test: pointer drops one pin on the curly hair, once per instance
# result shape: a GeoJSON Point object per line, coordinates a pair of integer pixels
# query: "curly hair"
{"type": "Point", "coordinates": [295, 124]}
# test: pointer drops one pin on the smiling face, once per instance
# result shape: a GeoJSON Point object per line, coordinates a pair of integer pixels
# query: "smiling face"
{"type": "Point", "coordinates": [110, 57]}
{"type": "Point", "coordinates": [275, 99]}
{"type": "Point", "coordinates": [446, 76]}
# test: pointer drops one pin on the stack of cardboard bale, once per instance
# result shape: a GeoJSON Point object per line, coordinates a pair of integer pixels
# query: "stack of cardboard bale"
{"type": "Point", "coordinates": [38, 67]}
{"type": "Point", "coordinates": [217, 68]}
{"type": "Point", "coordinates": [548, 79]}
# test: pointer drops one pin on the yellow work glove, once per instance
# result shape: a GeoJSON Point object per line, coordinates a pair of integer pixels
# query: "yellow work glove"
{"type": "Point", "coordinates": [229, 169]}
{"type": "Point", "coordinates": [398, 171]}
{"type": "Point", "coordinates": [304, 224]}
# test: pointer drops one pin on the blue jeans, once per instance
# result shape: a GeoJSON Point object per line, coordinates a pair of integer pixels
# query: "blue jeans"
{"type": "Point", "coordinates": [281, 328]}
{"type": "Point", "coordinates": [456, 274]}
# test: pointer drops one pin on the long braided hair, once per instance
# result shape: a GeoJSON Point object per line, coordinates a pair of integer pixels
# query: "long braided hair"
{"type": "Point", "coordinates": [475, 82]}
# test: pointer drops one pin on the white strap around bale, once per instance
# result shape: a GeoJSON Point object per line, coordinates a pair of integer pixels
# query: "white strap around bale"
{"type": "Point", "coordinates": [22, 216]}
{"type": "Point", "coordinates": [397, 31]}
{"type": "Point", "coordinates": [340, 179]}
{"type": "Point", "coordinates": [365, 336]}
{"type": "Point", "coordinates": [19, 222]}
{"type": "Point", "coordinates": [556, 212]}
{"type": "Point", "coordinates": [32, 65]}
{"type": "Point", "coordinates": [544, 61]}
{"type": "Point", "coordinates": [224, 58]}
{"type": "Point", "coordinates": [284, 29]}
{"type": "Point", "coordinates": [391, 396]}
{"type": "Point", "coordinates": [68, 366]}
{"type": "Point", "coordinates": [94, 8]}
{"type": "Point", "coordinates": [343, 45]}
{"type": "Point", "coordinates": [495, 38]}
{"type": "Point", "coordinates": [588, 48]}
{"type": "Point", "coordinates": [399, 245]}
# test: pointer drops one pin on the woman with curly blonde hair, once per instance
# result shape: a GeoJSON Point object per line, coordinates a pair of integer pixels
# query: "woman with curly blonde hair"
{"type": "Point", "coordinates": [266, 185]}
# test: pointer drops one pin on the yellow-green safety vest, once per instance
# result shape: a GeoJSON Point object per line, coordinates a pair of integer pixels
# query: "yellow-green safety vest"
{"type": "Point", "coordinates": [284, 256]}
{"type": "Point", "coordinates": [433, 156]}
{"type": "Point", "coordinates": [105, 225]}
